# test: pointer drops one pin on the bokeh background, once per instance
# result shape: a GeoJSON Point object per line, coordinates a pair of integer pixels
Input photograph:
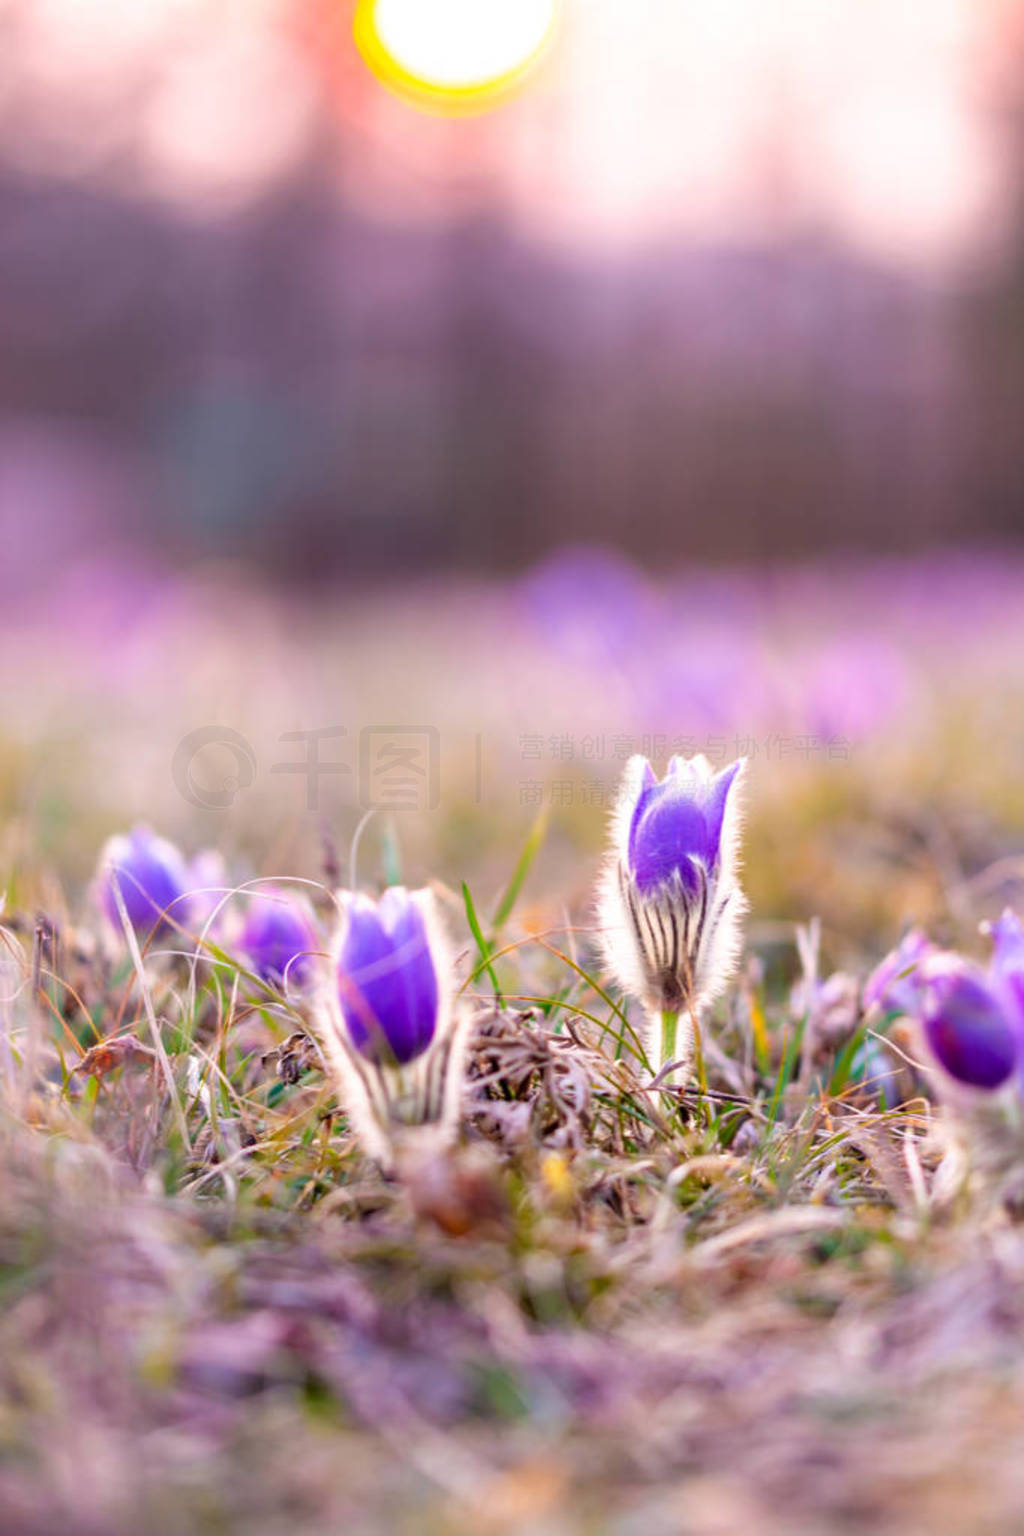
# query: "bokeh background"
{"type": "Point", "coordinates": [674, 403]}
{"type": "Point", "coordinates": [724, 281]}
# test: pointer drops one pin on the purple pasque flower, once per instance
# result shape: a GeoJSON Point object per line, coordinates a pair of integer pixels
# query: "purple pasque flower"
{"type": "Point", "coordinates": [968, 1023]}
{"type": "Point", "coordinates": [279, 937]}
{"type": "Point", "coordinates": [388, 1020]}
{"type": "Point", "coordinates": [670, 902]}
{"type": "Point", "coordinates": [896, 983]}
{"type": "Point", "coordinates": [389, 989]}
{"type": "Point", "coordinates": [153, 879]}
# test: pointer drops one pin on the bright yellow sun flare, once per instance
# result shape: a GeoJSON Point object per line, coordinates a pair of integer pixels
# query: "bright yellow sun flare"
{"type": "Point", "coordinates": [454, 55]}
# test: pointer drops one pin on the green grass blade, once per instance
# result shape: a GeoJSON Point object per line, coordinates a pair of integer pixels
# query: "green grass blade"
{"type": "Point", "coordinates": [786, 1070]}
{"type": "Point", "coordinates": [481, 942]}
{"type": "Point", "coordinates": [844, 1062]}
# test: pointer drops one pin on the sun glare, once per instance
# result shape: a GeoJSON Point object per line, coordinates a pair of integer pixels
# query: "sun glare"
{"type": "Point", "coordinates": [454, 55]}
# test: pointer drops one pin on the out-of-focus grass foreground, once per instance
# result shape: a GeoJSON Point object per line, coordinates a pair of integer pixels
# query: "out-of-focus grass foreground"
{"type": "Point", "coordinates": [793, 1300]}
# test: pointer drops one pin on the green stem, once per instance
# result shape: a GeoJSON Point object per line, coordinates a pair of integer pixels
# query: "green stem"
{"type": "Point", "coordinates": [698, 1057]}
{"type": "Point", "coordinates": [669, 1031]}
{"type": "Point", "coordinates": [669, 1045]}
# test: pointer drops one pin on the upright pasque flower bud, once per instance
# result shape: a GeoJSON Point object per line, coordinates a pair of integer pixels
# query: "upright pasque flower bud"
{"type": "Point", "coordinates": [967, 1026]}
{"type": "Point", "coordinates": [387, 1017]}
{"type": "Point", "coordinates": [279, 937]}
{"type": "Point", "coordinates": [896, 983]}
{"type": "Point", "coordinates": [153, 879]}
{"type": "Point", "coordinates": [670, 904]}
{"type": "Point", "coordinates": [1007, 963]}
{"type": "Point", "coordinates": [388, 984]}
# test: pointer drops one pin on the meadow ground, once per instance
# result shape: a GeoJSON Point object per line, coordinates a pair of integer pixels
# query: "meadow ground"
{"type": "Point", "coordinates": [786, 1304]}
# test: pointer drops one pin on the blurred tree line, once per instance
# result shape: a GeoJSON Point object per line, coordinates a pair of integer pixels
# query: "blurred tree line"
{"type": "Point", "coordinates": [319, 392]}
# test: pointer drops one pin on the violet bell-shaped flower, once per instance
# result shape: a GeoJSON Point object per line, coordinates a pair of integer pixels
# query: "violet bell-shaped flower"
{"type": "Point", "coordinates": [388, 1020]}
{"type": "Point", "coordinates": [968, 1023]}
{"type": "Point", "coordinates": [896, 983]}
{"type": "Point", "coordinates": [387, 978]}
{"type": "Point", "coordinates": [670, 904]}
{"type": "Point", "coordinates": [278, 937]}
{"type": "Point", "coordinates": [152, 878]}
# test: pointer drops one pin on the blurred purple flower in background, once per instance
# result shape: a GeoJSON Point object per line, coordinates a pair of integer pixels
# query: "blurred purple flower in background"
{"type": "Point", "coordinates": [895, 985]}
{"type": "Point", "coordinates": [853, 688]}
{"type": "Point", "coordinates": [279, 937]}
{"type": "Point", "coordinates": [1007, 962]}
{"type": "Point", "coordinates": [698, 652]}
{"type": "Point", "coordinates": [712, 680]}
{"type": "Point", "coordinates": [591, 605]}
{"type": "Point", "coordinates": [153, 879]}
{"type": "Point", "coordinates": [967, 1026]}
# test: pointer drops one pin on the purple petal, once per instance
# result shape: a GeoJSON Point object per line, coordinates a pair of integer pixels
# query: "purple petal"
{"type": "Point", "coordinates": [668, 834]}
{"type": "Point", "coordinates": [715, 801]}
{"type": "Point", "coordinates": [648, 779]}
{"type": "Point", "coordinates": [677, 825]}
